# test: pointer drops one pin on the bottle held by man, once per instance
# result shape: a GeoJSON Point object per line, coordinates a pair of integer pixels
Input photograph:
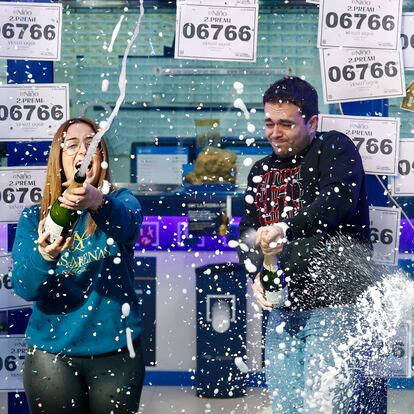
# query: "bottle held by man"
{"type": "Point", "coordinates": [273, 282]}
{"type": "Point", "coordinates": [61, 221]}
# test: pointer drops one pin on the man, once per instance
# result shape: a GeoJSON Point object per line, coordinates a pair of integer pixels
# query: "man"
{"type": "Point", "coordinates": [310, 188]}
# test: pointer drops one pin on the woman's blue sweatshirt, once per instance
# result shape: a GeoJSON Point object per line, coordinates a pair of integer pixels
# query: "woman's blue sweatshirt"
{"type": "Point", "coordinates": [77, 298]}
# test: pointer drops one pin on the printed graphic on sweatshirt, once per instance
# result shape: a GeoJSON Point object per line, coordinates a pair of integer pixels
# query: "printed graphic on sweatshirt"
{"type": "Point", "coordinates": [81, 253]}
{"type": "Point", "coordinates": [279, 195]}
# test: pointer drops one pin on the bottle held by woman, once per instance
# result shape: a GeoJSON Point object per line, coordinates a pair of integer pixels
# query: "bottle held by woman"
{"type": "Point", "coordinates": [61, 221]}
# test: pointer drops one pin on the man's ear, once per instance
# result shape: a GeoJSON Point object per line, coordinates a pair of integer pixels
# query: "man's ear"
{"type": "Point", "coordinates": [313, 123]}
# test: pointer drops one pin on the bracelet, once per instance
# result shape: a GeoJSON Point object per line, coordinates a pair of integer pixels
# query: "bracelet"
{"type": "Point", "coordinates": [96, 210]}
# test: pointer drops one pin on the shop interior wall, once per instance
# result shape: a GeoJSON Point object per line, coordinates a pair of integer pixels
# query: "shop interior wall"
{"type": "Point", "coordinates": [159, 105]}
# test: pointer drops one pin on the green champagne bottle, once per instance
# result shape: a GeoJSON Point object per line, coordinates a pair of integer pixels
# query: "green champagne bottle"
{"type": "Point", "coordinates": [61, 221]}
{"type": "Point", "coordinates": [273, 282]}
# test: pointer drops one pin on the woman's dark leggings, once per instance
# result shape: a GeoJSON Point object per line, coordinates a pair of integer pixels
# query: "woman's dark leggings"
{"type": "Point", "coordinates": [106, 384]}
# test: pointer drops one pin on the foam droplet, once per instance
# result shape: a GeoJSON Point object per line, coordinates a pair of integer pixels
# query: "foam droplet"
{"type": "Point", "coordinates": [239, 104]}
{"type": "Point", "coordinates": [233, 244]}
{"type": "Point", "coordinates": [280, 327]}
{"type": "Point", "coordinates": [126, 309]}
{"type": "Point", "coordinates": [244, 247]}
{"type": "Point", "coordinates": [250, 267]}
{"type": "Point", "coordinates": [106, 187]}
{"type": "Point", "coordinates": [247, 162]}
{"type": "Point", "coordinates": [239, 87]}
{"type": "Point", "coordinates": [241, 365]}
{"type": "Point", "coordinates": [249, 199]}
{"type": "Point", "coordinates": [105, 85]}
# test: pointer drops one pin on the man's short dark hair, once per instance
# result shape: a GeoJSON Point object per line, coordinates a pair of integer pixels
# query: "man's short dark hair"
{"type": "Point", "coordinates": [296, 91]}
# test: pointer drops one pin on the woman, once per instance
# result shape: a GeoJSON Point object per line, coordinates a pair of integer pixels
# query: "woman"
{"type": "Point", "coordinates": [78, 360]}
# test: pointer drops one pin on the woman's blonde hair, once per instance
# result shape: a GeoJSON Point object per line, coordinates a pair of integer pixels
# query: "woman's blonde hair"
{"type": "Point", "coordinates": [55, 175]}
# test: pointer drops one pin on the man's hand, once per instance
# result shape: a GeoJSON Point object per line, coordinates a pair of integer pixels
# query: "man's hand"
{"type": "Point", "coordinates": [258, 293]}
{"type": "Point", "coordinates": [270, 239]}
{"type": "Point", "coordinates": [81, 198]}
{"type": "Point", "coordinates": [50, 251]}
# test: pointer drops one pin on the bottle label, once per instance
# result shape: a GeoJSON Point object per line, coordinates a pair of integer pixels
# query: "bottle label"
{"type": "Point", "coordinates": [277, 298]}
{"type": "Point", "coordinates": [54, 229]}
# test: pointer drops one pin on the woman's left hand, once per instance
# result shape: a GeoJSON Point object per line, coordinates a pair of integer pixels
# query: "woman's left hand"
{"type": "Point", "coordinates": [82, 198]}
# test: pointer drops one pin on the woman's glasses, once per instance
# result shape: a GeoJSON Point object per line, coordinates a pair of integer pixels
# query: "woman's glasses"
{"type": "Point", "coordinates": [71, 146]}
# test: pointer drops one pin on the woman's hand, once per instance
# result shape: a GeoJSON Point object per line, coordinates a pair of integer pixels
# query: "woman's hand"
{"type": "Point", "coordinates": [50, 251]}
{"type": "Point", "coordinates": [81, 198]}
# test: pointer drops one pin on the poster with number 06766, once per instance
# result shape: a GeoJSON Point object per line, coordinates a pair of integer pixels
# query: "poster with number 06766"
{"type": "Point", "coordinates": [12, 354]}
{"type": "Point", "coordinates": [373, 24]}
{"type": "Point", "coordinates": [361, 74]}
{"type": "Point", "coordinates": [30, 31]}
{"type": "Point", "coordinates": [32, 111]}
{"type": "Point", "coordinates": [20, 187]}
{"type": "Point", "coordinates": [216, 31]}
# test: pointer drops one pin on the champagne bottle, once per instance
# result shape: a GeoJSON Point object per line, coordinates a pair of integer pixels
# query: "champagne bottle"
{"type": "Point", "coordinates": [273, 282]}
{"type": "Point", "coordinates": [61, 221]}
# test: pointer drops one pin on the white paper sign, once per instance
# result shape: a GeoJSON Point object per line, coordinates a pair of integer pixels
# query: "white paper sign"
{"type": "Point", "coordinates": [407, 40]}
{"type": "Point", "coordinates": [393, 358]}
{"type": "Point", "coordinates": [361, 74]}
{"type": "Point", "coordinates": [20, 187]}
{"type": "Point", "coordinates": [30, 31]}
{"type": "Point", "coordinates": [8, 299]}
{"type": "Point", "coordinates": [12, 354]}
{"type": "Point", "coordinates": [32, 111]}
{"type": "Point", "coordinates": [385, 234]}
{"type": "Point", "coordinates": [403, 184]}
{"type": "Point", "coordinates": [373, 24]}
{"type": "Point", "coordinates": [215, 31]}
{"type": "Point", "coordinates": [377, 139]}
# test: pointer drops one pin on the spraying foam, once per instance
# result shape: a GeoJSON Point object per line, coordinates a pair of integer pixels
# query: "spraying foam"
{"type": "Point", "coordinates": [122, 86]}
{"type": "Point", "coordinates": [126, 309]}
{"type": "Point", "coordinates": [115, 33]}
{"type": "Point", "coordinates": [383, 300]}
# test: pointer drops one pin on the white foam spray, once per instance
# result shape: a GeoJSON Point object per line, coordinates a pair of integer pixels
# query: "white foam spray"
{"type": "Point", "coordinates": [369, 326]}
{"type": "Point", "coordinates": [241, 365]}
{"type": "Point", "coordinates": [239, 104]}
{"type": "Point", "coordinates": [105, 85]}
{"type": "Point", "coordinates": [122, 86]}
{"type": "Point", "coordinates": [115, 33]}
{"type": "Point", "coordinates": [126, 309]}
{"type": "Point", "coordinates": [239, 87]}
